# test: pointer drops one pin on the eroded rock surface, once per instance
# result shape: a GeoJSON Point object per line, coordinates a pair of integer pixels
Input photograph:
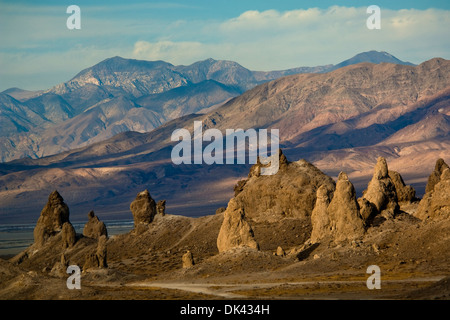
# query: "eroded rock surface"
{"type": "Point", "coordinates": [143, 209]}
{"type": "Point", "coordinates": [381, 189]}
{"type": "Point", "coordinates": [94, 228]}
{"type": "Point", "coordinates": [343, 211]}
{"type": "Point", "coordinates": [235, 230]}
{"type": "Point", "coordinates": [436, 201]}
{"type": "Point", "coordinates": [52, 218]}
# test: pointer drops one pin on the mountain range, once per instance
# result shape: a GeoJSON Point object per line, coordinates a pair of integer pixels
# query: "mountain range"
{"type": "Point", "coordinates": [344, 118]}
{"type": "Point", "coordinates": [119, 95]}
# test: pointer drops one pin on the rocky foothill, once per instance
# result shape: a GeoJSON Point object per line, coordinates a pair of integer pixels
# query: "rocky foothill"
{"type": "Point", "coordinates": [297, 224]}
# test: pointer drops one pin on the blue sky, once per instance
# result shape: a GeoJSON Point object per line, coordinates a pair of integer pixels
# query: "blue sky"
{"type": "Point", "coordinates": [38, 51]}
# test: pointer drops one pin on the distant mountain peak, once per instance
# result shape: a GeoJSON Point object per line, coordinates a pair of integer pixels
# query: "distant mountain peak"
{"type": "Point", "coordinates": [372, 56]}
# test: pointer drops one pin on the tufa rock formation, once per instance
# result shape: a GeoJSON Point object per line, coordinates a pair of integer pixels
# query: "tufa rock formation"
{"type": "Point", "coordinates": [161, 208]}
{"type": "Point", "coordinates": [273, 203]}
{"type": "Point", "coordinates": [91, 261]}
{"type": "Point", "coordinates": [436, 201]}
{"type": "Point", "coordinates": [367, 209]}
{"type": "Point", "coordinates": [235, 230]}
{"type": "Point", "coordinates": [346, 223]}
{"type": "Point", "coordinates": [94, 228]}
{"type": "Point", "coordinates": [101, 252]}
{"type": "Point", "coordinates": [337, 219]}
{"type": "Point", "coordinates": [97, 259]}
{"type": "Point", "coordinates": [404, 193]}
{"type": "Point", "coordinates": [290, 193]}
{"type": "Point", "coordinates": [255, 170]}
{"type": "Point", "coordinates": [68, 235]}
{"type": "Point", "coordinates": [52, 218]}
{"type": "Point", "coordinates": [143, 209]}
{"type": "Point", "coordinates": [381, 190]}
{"type": "Point", "coordinates": [321, 226]}
{"type": "Point", "coordinates": [435, 176]}
{"type": "Point", "coordinates": [188, 259]}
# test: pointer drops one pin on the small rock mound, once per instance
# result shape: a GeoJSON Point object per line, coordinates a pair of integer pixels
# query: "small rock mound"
{"type": "Point", "coordinates": [94, 228]}
{"type": "Point", "coordinates": [53, 216]}
{"type": "Point", "coordinates": [188, 259]}
{"type": "Point", "coordinates": [235, 230]}
{"type": "Point", "coordinates": [436, 201]}
{"type": "Point", "coordinates": [59, 269]}
{"type": "Point", "coordinates": [280, 252]}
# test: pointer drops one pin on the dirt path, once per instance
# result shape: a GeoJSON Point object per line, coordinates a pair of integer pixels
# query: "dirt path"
{"type": "Point", "coordinates": [220, 290]}
{"type": "Point", "coordinates": [226, 290]}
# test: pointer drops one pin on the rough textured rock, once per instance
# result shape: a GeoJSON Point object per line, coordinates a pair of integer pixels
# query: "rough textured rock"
{"type": "Point", "coordinates": [161, 207]}
{"type": "Point", "coordinates": [367, 209]}
{"type": "Point", "coordinates": [97, 259]}
{"type": "Point", "coordinates": [319, 216]}
{"type": "Point", "coordinates": [102, 252]}
{"type": "Point", "coordinates": [68, 235]}
{"type": "Point", "coordinates": [239, 186]}
{"type": "Point", "coordinates": [435, 176]}
{"type": "Point", "coordinates": [91, 261]}
{"type": "Point", "coordinates": [404, 193]}
{"type": "Point", "coordinates": [255, 170]}
{"type": "Point", "coordinates": [381, 190]}
{"type": "Point", "coordinates": [343, 211]}
{"type": "Point", "coordinates": [235, 230]}
{"type": "Point", "coordinates": [143, 208]}
{"type": "Point", "coordinates": [290, 193]}
{"type": "Point", "coordinates": [188, 259]}
{"type": "Point", "coordinates": [337, 217]}
{"type": "Point", "coordinates": [280, 252]}
{"type": "Point", "coordinates": [436, 202]}
{"type": "Point", "coordinates": [59, 269]}
{"type": "Point", "coordinates": [53, 216]}
{"type": "Point", "coordinates": [94, 228]}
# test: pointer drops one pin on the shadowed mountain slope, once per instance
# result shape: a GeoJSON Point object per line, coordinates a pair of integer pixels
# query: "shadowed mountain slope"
{"type": "Point", "coordinates": [344, 119]}
{"type": "Point", "coordinates": [42, 123]}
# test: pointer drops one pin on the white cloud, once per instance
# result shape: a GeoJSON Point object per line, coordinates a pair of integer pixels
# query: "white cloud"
{"type": "Point", "coordinates": [271, 39]}
{"type": "Point", "coordinates": [258, 40]}
{"type": "Point", "coordinates": [174, 52]}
